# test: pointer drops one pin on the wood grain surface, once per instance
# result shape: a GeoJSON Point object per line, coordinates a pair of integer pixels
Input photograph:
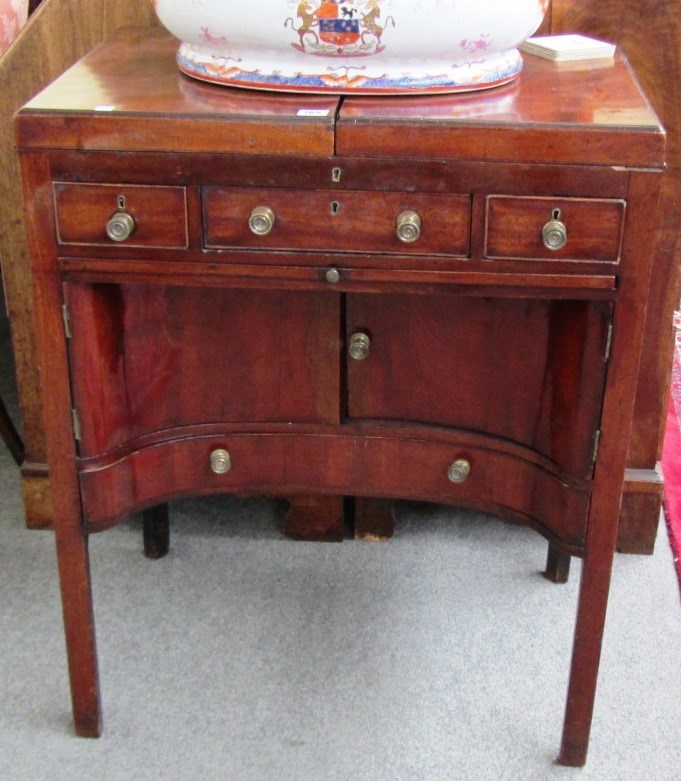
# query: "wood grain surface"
{"type": "Point", "coordinates": [649, 33]}
{"type": "Point", "coordinates": [510, 370]}
{"type": "Point", "coordinates": [62, 31]}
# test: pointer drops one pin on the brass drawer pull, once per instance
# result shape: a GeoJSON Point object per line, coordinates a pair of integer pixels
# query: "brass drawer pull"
{"type": "Point", "coordinates": [121, 226]}
{"type": "Point", "coordinates": [408, 227]}
{"type": "Point", "coordinates": [261, 220]}
{"type": "Point", "coordinates": [554, 233]}
{"type": "Point", "coordinates": [359, 346]}
{"type": "Point", "coordinates": [332, 276]}
{"type": "Point", "coordinates": [459, 470]}
{"type": "Point", "coordinates": [220, 461]}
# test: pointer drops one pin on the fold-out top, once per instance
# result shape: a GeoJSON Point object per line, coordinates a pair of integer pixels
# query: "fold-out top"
{"type": "Point", "coordinates": [128, 95]}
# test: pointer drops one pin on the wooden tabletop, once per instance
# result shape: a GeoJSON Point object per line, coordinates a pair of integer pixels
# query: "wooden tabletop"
{"type": "Point", "coordinates": [129, 95]}
{"type": "Point", "coordinates": [579, 112]}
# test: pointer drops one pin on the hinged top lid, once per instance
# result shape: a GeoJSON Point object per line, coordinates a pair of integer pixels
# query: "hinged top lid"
{"type": "Point", "coordinates": [128, 95]}
{"type": "Point", "coordinates": [590, 112]}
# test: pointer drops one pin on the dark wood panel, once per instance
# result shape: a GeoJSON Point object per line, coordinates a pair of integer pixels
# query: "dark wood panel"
{"type": "Point", "coordinates": [538, 376]}
{"type": "Point", "coordinates": [337, 220]}
{"type": "Point", "coordinates": [146, 358]}
{"type": "Point", "coordinates": [514, 228]}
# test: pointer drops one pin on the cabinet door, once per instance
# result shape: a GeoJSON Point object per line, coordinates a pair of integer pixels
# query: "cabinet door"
{"type": "Point", "coordinates": [151, 358]}
{"type": "Point", "coordinates": [530, 371]}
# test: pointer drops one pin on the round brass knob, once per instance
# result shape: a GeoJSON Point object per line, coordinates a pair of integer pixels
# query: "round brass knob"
{"type": "Point", "coordinates": [459, 470]}
{"type": "Point", "coordinates": [120, 227]}
{"type": "Point", "coordinates": [261, 220]}
{"type": "Point", "coordinates": [408, 227]}
{"type": "Point", "coordinates": [554, 233]}
{"type": "Point", "coordinates": [332, 276]}
{"type": "Point", "coordinates": [220, 461]}
{"type": "Point", "coordinates": [359, 346]}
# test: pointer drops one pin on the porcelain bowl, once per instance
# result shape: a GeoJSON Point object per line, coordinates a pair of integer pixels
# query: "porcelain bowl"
{"type": "Point", "coordinates": [352, 46]}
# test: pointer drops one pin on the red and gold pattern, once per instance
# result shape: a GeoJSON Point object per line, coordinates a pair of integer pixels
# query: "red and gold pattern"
{"type": "Point", "coordinates": [339, 27]}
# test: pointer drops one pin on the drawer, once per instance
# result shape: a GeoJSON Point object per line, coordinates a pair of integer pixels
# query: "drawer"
{"type": "Point", "coordinates": [514, 228]}
{"type": "Point", "coordinates": [83, 211]}
{"type": "Point", "coordinates": [342, 221]}
{"type": "Point", "coordinates": [341, 462]}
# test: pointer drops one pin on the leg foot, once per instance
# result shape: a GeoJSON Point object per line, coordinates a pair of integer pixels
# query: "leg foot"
{"type": "Point", "coordinates": [557, 565]}
{"type": "Point", "coordinates": [572, 756]}
{"type": "Point", "coordinates": [374, 519]}
{"type": "Point", "coordinates": [156, 523]}
{"type": "Point", "coordinates": [315, 518]}
{"type": "Point", "coordinates": [79, 625]}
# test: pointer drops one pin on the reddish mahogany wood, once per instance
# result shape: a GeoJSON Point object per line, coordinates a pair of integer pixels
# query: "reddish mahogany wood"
{"type": "Point", "coordinates": [352, 462]}
{"type": "Point", "coordinates": [136, 67]}
{"type": "Point", "coordinates": [374, 519]}
{"type": "Point", "coordinates": [71, 538]}
{"type": "Point", "coordinates": [149, 358]}
{"type": "Point", "coordinates": [514, 228]}
{"type": "Point", "coordinates": [618, 409]}
{"type": "Point", "coordinates": [541, 359]}
{"type": "Point", "coordinates": [315, 518]}
{"type": "Point", "coordinates": [255, 336]}
{"type": "Point", "coordinates": [338, 220]}
{"type": "Point", "coordinates": [356, 273]}
{"type": "Point", "coordinates": [380, 174]}
{"type": "Point", "coordinates": [640, 510]}
{"type": "Point", "coordinates": [650, 36]}
{"type": "Point", "coordinates": [519, 125]}
{"type": "Point", "coordinates": [83, 210]}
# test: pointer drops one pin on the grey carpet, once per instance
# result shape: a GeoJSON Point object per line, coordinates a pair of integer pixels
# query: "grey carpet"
{"type": "Point", "coordinates": [442, 654]}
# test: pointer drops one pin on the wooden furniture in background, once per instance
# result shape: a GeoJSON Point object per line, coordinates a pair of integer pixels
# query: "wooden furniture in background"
{"type": "Point", "coordinates": [367, 302]}
{"type": "Point", "coordinates": [56, 35]}
{"type": "Point", "coordinates": [650, 35]}
{"type": "Point", "coordinates": [12, 19]}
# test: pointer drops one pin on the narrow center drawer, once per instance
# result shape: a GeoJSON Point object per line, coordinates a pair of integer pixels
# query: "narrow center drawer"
{"type": "Point", "coordinates": [336, 220]}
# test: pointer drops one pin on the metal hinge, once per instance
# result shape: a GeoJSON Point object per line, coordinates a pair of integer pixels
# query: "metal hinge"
{"type": "Point", "coordinates": [67, 321]}
{"type": "Point", "coordinates": [608, 343]}
{"type": "Point", "coordinates": [597, 444]}
{"type": "Point", "coordinates": [75, 417]}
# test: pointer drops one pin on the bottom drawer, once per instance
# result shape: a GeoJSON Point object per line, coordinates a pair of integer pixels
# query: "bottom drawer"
{"type": "Point", "coordinates": [283, 464]}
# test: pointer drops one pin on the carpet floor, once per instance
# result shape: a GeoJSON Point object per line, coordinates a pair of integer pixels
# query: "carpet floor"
{"type": "Point", "coordinates": [244, 656]}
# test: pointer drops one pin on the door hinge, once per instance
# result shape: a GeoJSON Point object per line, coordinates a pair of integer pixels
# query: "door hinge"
{"type": "Point", "coordinates": [597, 444]}
{"type": "Point", "coordinates": [608, 343]}
{"type": "Point", "coordinates": [76, 424]}
{"type": "Point", "coordinates": [67, 321]}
